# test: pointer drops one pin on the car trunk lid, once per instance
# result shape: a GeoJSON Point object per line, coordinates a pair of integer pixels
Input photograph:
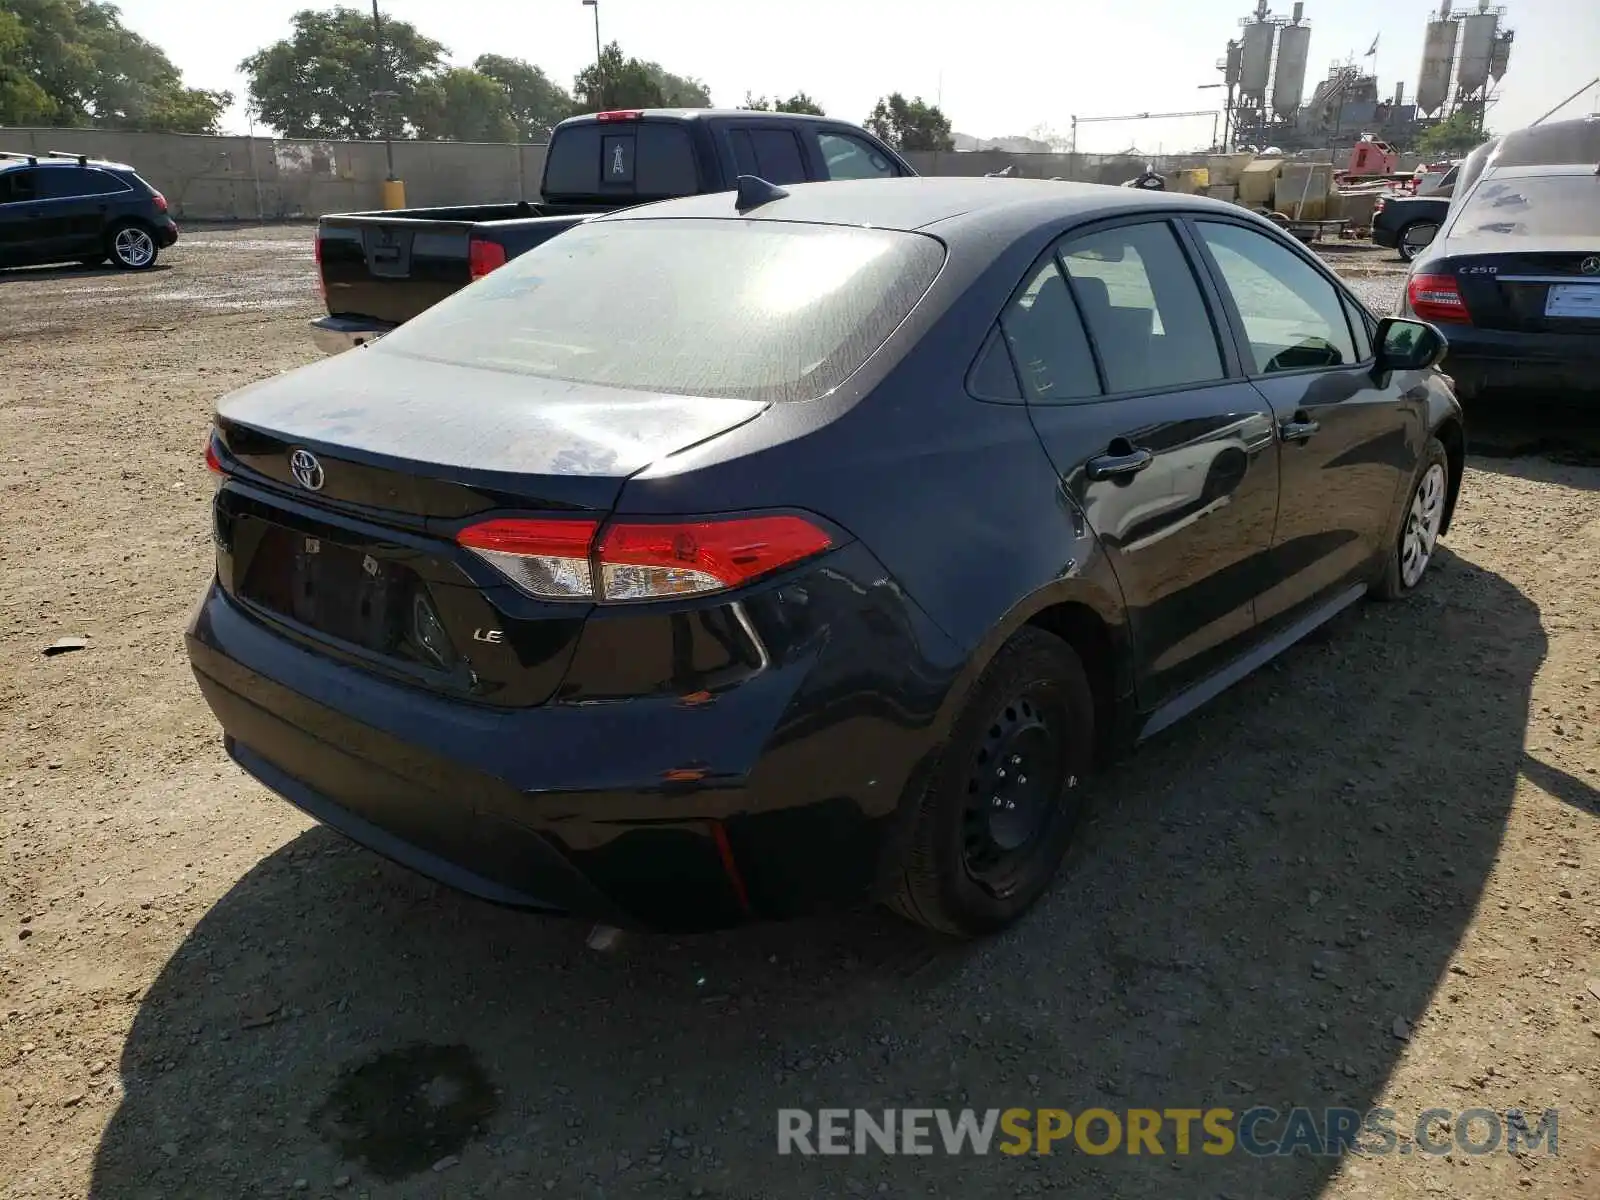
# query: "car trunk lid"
{"type": "Point", "coordinates": [350, 480]}
{"type": "Point", "coordinates": [1550, 290]}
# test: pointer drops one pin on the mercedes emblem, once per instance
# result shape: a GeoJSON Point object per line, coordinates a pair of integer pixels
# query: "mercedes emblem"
{"type": "Point", "coordinates": [1591, 265]}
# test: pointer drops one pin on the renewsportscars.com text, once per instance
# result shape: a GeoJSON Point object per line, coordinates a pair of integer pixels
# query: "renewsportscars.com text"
{"type": "Point", "coordinates": [1260, 1132]}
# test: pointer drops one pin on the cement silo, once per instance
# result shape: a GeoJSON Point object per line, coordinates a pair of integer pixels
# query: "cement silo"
{"type": "Point", "coordinates": [1255, 62]}
{"type": "Point", "coordinates": [1477, 44]}
{"type": "Point", "coordinates": [1438, 56]}
{"type": "Point", "coordinates": [1500, 55]}
{"type": "Point", "coordinates": [1289, 81]}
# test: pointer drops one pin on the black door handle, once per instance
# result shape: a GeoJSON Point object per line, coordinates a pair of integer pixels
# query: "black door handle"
{"type": "Point", "coordinates": [1119, 466]}
{"type": "Point", "coordinates": [1299, 429]}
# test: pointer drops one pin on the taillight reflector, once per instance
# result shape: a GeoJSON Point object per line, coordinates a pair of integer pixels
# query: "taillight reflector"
{"type": "Point", "coordinates": [485, 257]}
{"type": "Point", "coordinates": [620, 114]}
{"type": "Point", "coordinates": [1437, 298]}
{"type": "Point", "coordinates": [560, 559]}
{"type": "Point", "coordinates": [547, 558]}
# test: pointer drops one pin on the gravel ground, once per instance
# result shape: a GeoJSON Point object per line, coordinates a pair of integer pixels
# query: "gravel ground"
{"type": "Point", "coordinates": [1366, 876]}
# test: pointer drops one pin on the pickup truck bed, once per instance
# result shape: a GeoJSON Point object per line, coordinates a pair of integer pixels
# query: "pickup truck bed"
{"type": "Point", "coordinates": [379, 269]}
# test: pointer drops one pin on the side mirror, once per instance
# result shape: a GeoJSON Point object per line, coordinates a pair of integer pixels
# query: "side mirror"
{"type": "Point", "coordinates": [1406, 345]}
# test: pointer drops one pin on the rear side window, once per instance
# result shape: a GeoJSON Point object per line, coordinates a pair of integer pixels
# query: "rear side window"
{"type": "Point", "coordinates": [1047, 341]}
{"type": "Point", "coordinates": [639, 158]}
{"type": "Point", "coordinates": [767, 310]}
{"type": "Point", "coordinates": [63, 183]}
{"type": "Point", "coordinates": [773, 154]}
{"type": "Point", "coordinates": [851, 158]}
{"type": "Point", "coordinates": [1143, 308]}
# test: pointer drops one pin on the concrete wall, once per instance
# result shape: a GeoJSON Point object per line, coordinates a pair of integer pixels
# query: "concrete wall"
{"type": "Point", "coordinates": [241, 178]}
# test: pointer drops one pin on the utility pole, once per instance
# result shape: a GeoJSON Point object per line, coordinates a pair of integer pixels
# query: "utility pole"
{"type": "Point", "coordinates": [379, 92]}
{"type": "Point", "coordinates": [599, 55]}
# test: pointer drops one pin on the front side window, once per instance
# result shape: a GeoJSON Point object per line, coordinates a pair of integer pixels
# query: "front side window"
{"type": "Point", "coordinates": [764, 310]}
{"type": "Point", "coordinates": [1143, 308]}
{"type": "Point", "coordinates": [851, 158]}
{"type": "Point", "coordinates": [1293, 317]}
{"type": "Point", "coordinates": [17, 186]}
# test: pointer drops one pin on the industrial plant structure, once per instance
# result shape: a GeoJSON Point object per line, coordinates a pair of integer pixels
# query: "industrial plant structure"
{"type": "Point", "coordinates": [1465, 55]}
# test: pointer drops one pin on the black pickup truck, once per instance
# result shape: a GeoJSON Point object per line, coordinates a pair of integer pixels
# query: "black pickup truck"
{"type": "Point", "coordinates": [379, 269]}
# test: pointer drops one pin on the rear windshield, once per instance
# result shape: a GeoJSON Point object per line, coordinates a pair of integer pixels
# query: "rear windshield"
{"type": "Point", "coordinates": [652, 159]}
{"type": "Point", "coordinates": [1534, 206]}
{"type": "Point", "coordinates": [766, 310]}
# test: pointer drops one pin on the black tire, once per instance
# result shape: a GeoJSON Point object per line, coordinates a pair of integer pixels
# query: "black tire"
{"type": "Point", "coordinates": [1398, 579]}
{"type": "Point", "coordinates": [977, 860]}
{"type": "Point", "coordinates": [131, 246]}
{"type": "Point", "coordinates": [1406, 252]}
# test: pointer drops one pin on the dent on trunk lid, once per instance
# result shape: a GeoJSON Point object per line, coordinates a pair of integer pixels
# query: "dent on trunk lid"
{"type": "Point", "coordinates": [389, 406]}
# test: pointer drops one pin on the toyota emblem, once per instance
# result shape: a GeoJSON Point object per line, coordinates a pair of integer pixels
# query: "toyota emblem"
{"type": "Point", "coordinates": [1591, 265]}
{"type": "Point", "coordinates": [307, 471]}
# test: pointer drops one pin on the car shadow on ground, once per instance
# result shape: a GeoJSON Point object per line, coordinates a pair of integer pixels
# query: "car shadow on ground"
{"type": "Point", "coordinates": [73, 271]}
{"type": "Point", "coordinates": [1259, 897]}
{"type": "Point", "coordinates": [1540, 435]}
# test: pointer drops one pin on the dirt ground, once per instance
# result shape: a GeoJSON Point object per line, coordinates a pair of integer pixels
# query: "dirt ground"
{"type": "Point", "coordinates": [1365, 877]}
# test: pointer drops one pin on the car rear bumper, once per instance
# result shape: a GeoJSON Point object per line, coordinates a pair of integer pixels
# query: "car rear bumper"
{"type": "Point", "coordinates": [335, 335]}
{"type": "Point", "coordinates": [646, 812]}
{"type": "Point", "coordinates": [1484, 359]}
{"type": "Point", "coordinates": [1389, 239]}
{"type": "Point", "coordinates": [167, 234]}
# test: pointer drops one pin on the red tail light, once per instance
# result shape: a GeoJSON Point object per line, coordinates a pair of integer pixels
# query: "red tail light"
{"type": "Point", "coordinates": [1437, 298]}
{"type": "Point", "coordinates": [561, 559]}
{"type": "Point", "coordinates": [485, 257]}
{"type": "Point", "coordinates": [322, 283]}
{"type": "Point", "coordinates": [548, 558]}
{"type": "Point", "coordinates": [159, 201]}
{"type": "Point", "coordinates": [213, 460]}
{"type": "Point", "coordinates": [621, 114]}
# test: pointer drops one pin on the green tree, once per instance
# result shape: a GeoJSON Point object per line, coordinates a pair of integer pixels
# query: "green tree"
{"type": "Point", "coordinates": [911, 124]}
{"type": "Point", "coordinates": [679, 91]}
{"type": "Point", "coordinates": [797, 103]}
{"type": "Point", "coordinates": [22, 100]}
{"type": "Point", "coordinates": [618, 81]}
{"type": "Point", "coordinates": [72, 62]}
{"type": "Point", "coordinates": [319, 81]}
{"type": "Point", "coordinates": [464, 105]}
{"type": "Point", "coordinates": [1456, 134]}
{"type": "Point", "coordinates": [535, 103]}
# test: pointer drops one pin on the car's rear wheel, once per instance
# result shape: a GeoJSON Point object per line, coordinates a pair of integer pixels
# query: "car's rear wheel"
{"type": "Point", "coordinates": [132, 246]}
{"type": "Point", "coordinates": [1420, 525]}
{"type": "Point", "coordinates": [995, 819]}
{"type": "Point", "coordinates": [1415, 238]}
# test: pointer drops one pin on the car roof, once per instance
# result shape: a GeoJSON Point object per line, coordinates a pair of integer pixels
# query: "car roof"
{"type": "Point", "coordinates": [1495, 171]}
{"type": "Point", "coordinates": [41, 163]}
{"type": "Point", "coordinates": [1557, 143]}
{"type": "Point", "coordinates": [950, 202]}
{"type": "Point", "coordinates": [701, 114]}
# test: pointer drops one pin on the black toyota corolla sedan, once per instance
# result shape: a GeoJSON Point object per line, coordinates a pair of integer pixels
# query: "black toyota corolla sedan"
{"type": "Point", "coordinates": [752, 553]}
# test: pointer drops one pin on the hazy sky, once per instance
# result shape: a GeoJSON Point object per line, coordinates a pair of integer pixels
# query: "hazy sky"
{"type": "Point", "coordinates": [1000, 67]}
